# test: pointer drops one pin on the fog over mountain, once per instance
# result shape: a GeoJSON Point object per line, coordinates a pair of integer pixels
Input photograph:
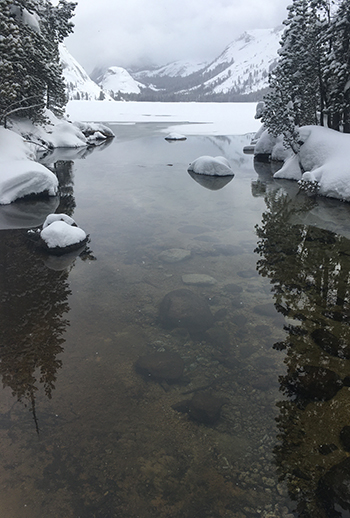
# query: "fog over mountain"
{"type": "Point", "coordinates": [239, 73]}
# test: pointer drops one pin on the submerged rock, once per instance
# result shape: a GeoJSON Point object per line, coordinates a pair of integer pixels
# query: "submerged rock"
{"type": "Point", "coordinates": [203, 407]}
{"type": "Point", "coordinates": [219, 337]}
{"type": "Point", "coordinates": [344, 437]}
{"type": "Point", "coordinates": [183, 308]}
{"type": "Point", "coordinates": [334, 489]}
{"type": "Point", "coordinates": [330, 343]}
{"type": "Point", "coordinates": [314, 383]}
{"type": "Point", "coordinates": [199, 279]}
{"type": "Point", "coordinates": [174, 255]}
{"type": "Point", "coordinates": [168, 366]}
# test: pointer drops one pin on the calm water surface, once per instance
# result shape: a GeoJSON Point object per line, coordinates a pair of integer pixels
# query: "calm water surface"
{"type": "Point", "coordinates": [84, 434]}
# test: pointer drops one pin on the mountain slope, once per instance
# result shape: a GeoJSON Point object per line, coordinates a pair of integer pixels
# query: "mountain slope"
{"type": "Point", "coordinates": [78, 83]}
{"type": "Point", "coordinates": [241, 70]}
{"type": "Point", "coordinates": [116, 80]}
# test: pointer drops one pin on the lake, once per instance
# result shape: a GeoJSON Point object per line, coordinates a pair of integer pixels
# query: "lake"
{"type": "Point", "coordinates": [256, 422]}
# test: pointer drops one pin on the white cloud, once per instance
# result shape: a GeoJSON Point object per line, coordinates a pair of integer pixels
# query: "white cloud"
{"type": "Point", "coordinates": [110, 32]}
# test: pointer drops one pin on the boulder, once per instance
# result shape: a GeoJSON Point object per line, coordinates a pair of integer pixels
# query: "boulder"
{"type": "Point", "coordinates": [212, 166]}
{"type": "Point", "coordinates": [334, 489]}
{"type": "Point", "coordinates": [203, 407]}
{"type": "Point", "coordinates": [183, 308]}
{"type": "Point", "coordinates": [314, 383]}
{"type": "Point", "coordinates": [162, 366]}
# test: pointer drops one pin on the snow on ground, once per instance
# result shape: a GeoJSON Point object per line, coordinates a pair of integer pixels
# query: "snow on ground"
{"type": "Point", "coordinates": [325, 159]}
{"type": "Point", "coordinates": [188, 118]}
{"type": "Point", "coordinates": [20, 175]}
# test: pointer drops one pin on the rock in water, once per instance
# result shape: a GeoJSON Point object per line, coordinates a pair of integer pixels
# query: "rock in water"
{"type": "Point", "coordinates": [314, 383]}
{"type": "Point", "coordinates": [212, 166]}
{"type": "Point", "coordinates": [334, 489]}
{"type": "Point", "coordinates": [161, 366]}
{"type": "Point", "coordinates": [203, 407]}
{"type": "Point", "coordinates": [183, 308]}
{"type": "Point", "coordinates": [174, 255]}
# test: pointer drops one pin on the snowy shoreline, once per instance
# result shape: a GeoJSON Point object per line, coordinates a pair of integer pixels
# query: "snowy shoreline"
{"type": "Point", "coordinates": [20, 174]}
{"type": "Point", "coordinates": [322, 164]}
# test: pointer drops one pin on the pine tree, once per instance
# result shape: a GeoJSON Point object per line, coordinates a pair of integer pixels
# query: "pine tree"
{"type": "Point", "coordinates": [312, 77]}
{"type": "Point", "coordinates": [293, 98]}
{"type": "Point", "coordinates": [30, 71]}
{"type": "Point", "coordinates": [337, 69]}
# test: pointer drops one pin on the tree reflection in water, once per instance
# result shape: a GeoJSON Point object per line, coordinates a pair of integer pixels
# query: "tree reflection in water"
{"type": "Point", "coordinates": [33, 303]}
{"type": "Point", "coordinates": [309, 271]}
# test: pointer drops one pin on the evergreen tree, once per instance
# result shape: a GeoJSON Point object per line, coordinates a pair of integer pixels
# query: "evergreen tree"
{"type": "Point", "coordinates": [294, 96]}
{"type": "Point", "coordinates": [337, 69]}
{"type": "Point", "coordinates": [30, 71]}
{"type": "Point", "coordinates": [312, 77]}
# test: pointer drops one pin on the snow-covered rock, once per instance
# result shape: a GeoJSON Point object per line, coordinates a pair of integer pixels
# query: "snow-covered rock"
{"type": "Point", "coordinates": [19, 175]}
{"type": "Point", "coordinates": [60, 233]}
{"type": "Point", "coordinates": [175, 136]}
{"type": "Point", "coordinates": [212, 166]}
{"type": "Point", "coordinates": [324, 157]}
{"type": "Point", "coordinates": [94, 131]}
{"type": "Point", "coordinates": [270, 146]}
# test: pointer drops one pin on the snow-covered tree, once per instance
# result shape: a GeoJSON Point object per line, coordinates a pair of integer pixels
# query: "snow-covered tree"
{"type": "Point", "coordinates": [311, 79]}
{"type": "Point", "coordinates": [337, 69]}
{"type": "Point", "coordinates": [30, 71]}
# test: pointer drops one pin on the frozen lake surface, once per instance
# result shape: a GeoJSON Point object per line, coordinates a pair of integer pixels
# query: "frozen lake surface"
{"type": "Point", "coordinates": [84, 432]}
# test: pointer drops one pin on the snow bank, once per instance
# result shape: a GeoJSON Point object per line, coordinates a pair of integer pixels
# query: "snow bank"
{"type": "Point", "coordinates": [325, 159]}
{"type": "Point", "coordinates": [19, 175]}
{"type": "Point", "coordinates": [211, 166]}
{"type": "Point", "coordinates": [60, 133]}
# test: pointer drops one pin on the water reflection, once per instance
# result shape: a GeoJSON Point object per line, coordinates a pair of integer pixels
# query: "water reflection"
{"type": "Point", "coordinates": [33, 305]}
{"type": "Point", "coordinates": [213, 183]}
{"type": "Point", "coordinates": [309, 268]}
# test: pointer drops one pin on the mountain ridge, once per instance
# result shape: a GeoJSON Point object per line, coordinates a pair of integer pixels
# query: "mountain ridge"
{"type": "Point", "coordinates": [239, 73]}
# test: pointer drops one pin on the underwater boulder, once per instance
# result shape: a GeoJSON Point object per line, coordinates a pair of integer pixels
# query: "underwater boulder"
{"type": "Point", "coordinates": [162, 366]}
{"type": "Point", "coordinates": [183, 308]}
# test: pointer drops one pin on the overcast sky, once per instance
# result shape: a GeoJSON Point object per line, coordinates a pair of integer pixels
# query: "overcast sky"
{"type": "Point", "coordinates": [131, 33]}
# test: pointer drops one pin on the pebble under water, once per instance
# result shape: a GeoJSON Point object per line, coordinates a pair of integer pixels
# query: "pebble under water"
{"type": "Point", "coordinates": [194, 360]}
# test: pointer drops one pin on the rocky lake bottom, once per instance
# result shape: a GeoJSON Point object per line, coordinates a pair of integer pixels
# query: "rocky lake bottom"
{"type": "Point", "coordinates": [193, 362]}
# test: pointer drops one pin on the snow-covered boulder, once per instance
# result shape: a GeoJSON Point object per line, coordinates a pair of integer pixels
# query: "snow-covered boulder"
{"type": "Point", "coordinates": [175, 136]}
{"type": "Point", "coordinates": [211, 166]}
{"type": "Point", "coordinates": [20, 176]}
{"type": "Point", "coordinates": [94, 131]}
{"type": "Point", "coordinates": [270, 147]}
{"type": "Point", "coordinates": [60, 234]}
{"type": "Point", "coordinates": [323, 162]}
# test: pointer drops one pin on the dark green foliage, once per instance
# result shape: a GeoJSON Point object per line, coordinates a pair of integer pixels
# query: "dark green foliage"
{"type": "Point", "coordinates": [310, 84]}
{"type": "Point", "coordinates": [30, 71]}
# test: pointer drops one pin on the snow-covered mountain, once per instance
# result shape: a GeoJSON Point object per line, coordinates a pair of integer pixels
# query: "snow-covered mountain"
{"type": "Point", "coordinates": [174, 69]}
{"type": "Point", "coordinates": [239, 73]}
{"type": "Point", "coordinates": [117, 81]}
{"type": "Point", "coordinates": [78, 83]}
{"type": "Point", "coordinates": [241, 70]}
